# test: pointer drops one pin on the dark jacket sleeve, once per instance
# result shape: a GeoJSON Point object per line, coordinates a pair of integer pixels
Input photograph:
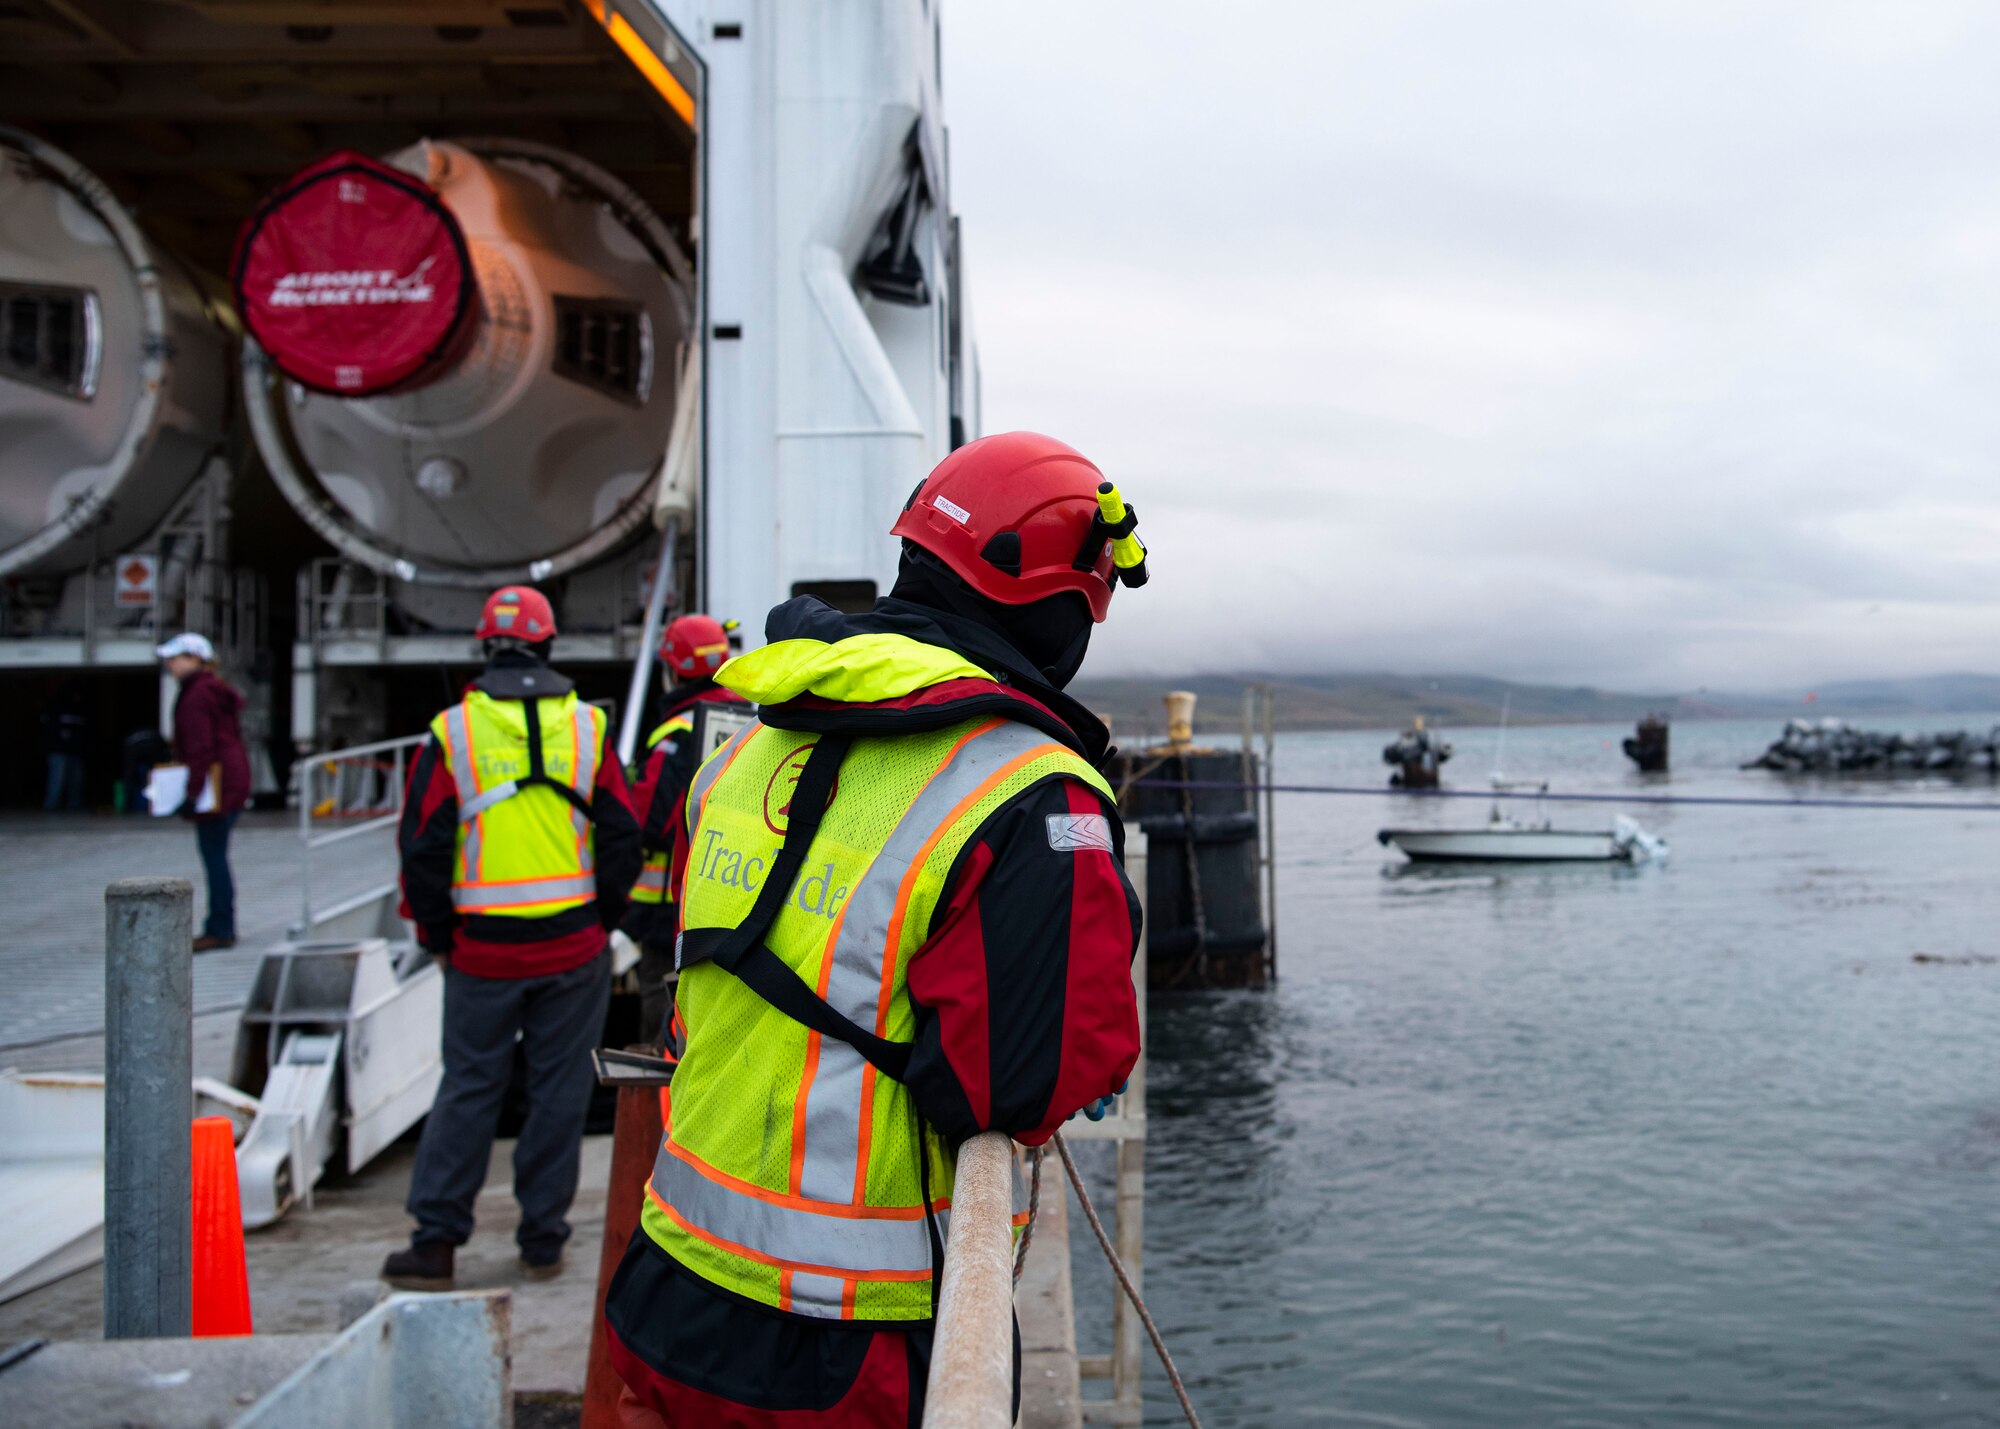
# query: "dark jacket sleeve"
{"type": "Point", "coordinates": [614, 836]}
{"type": "Point", "coordinates": [196, 741]}
{"type": "Point", "coordinates": [427, 845]}
{"type": "Point", "coordinates": [1023, 991]}
{"type": "Point", "coordinates": [657, 801]}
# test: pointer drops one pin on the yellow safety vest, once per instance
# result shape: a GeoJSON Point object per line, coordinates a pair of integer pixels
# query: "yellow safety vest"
{"type": "Point", "coordinates": [524, 849]}
{"type": "Point", "coordinates": [791, 1172]}
{"type": "Point", "coordinates": [652, 884]}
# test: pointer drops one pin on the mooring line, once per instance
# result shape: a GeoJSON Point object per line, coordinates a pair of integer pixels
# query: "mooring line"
{"type": "Point", "coordinates": [1125, 1280]}
{"type": "Point", "coordinates": [1712, 800]}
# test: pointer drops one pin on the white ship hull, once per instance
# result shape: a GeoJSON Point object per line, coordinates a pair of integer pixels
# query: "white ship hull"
{"type": "Point", "coordinates": [1507, 845]}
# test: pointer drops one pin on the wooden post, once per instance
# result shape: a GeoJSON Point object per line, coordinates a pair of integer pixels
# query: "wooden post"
{"type": "Point", "coordinates": [1270, 836]}
{"type": "Point", "coordinates": [972, 1354]}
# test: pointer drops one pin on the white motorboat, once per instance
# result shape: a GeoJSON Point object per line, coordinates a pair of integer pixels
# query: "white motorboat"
{"type": "Point", "coordinates": [1509, 840]}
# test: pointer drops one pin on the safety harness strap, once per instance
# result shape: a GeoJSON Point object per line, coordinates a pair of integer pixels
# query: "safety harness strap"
{"type": "Point", "coordinates": [741, 950]}
{"type": "Point", "coordinates": [538, 774]}
{"type": "Point", "coordinates": [771, 978]}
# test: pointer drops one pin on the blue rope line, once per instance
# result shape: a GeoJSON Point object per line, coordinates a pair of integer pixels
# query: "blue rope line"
{"type": "Point", "coordinates": [1737, 801]}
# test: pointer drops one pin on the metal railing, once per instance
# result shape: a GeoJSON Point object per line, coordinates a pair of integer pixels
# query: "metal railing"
{"type": "Point", "coordinates": [363, 784]}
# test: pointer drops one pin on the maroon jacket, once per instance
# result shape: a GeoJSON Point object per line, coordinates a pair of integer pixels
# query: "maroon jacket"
{"type": "Point", "coordinates": [208, 731]}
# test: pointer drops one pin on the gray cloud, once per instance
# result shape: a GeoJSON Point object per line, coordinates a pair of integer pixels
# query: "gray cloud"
{"type": "Point", "coordinates": [1638, 344]}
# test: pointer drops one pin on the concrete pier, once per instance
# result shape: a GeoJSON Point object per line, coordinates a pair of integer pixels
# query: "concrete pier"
{"type": "Point", "coordinates": [301, 1267]}
{"type": "Point", "coordinates": [52, 960]}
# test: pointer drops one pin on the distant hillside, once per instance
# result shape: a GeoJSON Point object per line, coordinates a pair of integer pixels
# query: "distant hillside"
{"type": "Point", "coordinates": [1371, 700]}
{"type": "Point", "coordinates": [1924, 694]}
{"type": "Point", "coordinates": [1368, 701]}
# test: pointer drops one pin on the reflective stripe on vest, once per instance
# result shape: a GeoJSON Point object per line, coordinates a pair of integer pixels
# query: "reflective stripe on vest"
{"type": "Point", "coordinates": [652, 884]}
{"type": "Point", "coordinates": [845, 1236]}
{"type": "Point", "coordinates": [879, 1245]}
{"type": "Point", "coordinates": [520, 866]}
{"type": "Point", "coordinates": [653, 878]}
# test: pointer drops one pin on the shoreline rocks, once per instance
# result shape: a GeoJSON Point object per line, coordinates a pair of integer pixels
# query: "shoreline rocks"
{"type": "Point", "coordinates": [1833, 746]}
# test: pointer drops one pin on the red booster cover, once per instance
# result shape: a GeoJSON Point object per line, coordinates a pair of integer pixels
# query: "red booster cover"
{"type": "Point", "coordinates": [354, 278]}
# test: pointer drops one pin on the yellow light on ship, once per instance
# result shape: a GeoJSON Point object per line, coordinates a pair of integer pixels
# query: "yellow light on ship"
{"type": "Point", "coordinates": [643, 59]}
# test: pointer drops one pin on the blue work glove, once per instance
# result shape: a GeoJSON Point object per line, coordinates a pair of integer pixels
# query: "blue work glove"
{"type": "Point", "coordinates": [1095, 1111]}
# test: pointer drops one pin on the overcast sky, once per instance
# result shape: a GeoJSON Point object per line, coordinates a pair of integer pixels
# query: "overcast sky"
{"type": "Point", "coordinates": [1635, 344]}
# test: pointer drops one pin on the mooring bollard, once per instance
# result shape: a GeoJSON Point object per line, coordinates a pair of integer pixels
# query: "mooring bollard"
{"type": "Point", "coordinates": [972, 1353]}
{"type": "Point", "coordinates": [148, 1107]}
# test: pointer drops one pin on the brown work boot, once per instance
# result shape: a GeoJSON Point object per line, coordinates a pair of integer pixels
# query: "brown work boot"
{"type": "Point", "coordinates": [424, 1266]}
{"type": "Point", "coordinates": [207, 943]}
{"type": "Point", "coordinates": [542, 1264]}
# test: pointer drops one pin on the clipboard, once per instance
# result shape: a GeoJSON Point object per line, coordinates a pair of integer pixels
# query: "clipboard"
{"type": "Point", "coordinates": [167, 785]}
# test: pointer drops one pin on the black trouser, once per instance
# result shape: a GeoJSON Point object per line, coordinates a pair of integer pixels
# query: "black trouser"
{"type": "Point", "coordinates": [559, 1019]}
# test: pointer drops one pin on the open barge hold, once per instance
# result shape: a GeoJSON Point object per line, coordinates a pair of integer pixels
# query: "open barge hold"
{"type": "Point", "coordinates": [1210, 881]}
{"type": "Point", "coordinates": [680, 315]}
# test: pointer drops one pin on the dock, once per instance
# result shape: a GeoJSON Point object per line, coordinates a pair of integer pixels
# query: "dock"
{"type": "Point", "coordinates": [52, 960]}
{"type": "Point", "coordinates": [307, 1271]}
{"type": "Point", "coordinates": [303, 1267]}
{"type": "Point", "coordinates": [311, 1270]}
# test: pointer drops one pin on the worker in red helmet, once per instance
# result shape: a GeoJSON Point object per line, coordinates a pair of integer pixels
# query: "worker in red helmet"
{"type": "Point", "coordinates": [518, 852]}
{"type": "Point", "coordinates": [699, 714]}
{"type": "Point", "coordinates": [904, 921]}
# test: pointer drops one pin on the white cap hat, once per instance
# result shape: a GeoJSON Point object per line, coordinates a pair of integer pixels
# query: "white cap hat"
{"type": "Point", "coordinates": [187, 644]}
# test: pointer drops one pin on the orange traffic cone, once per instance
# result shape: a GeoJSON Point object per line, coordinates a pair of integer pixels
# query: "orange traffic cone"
{"type": "Point", "coordinates": [221, 1272]}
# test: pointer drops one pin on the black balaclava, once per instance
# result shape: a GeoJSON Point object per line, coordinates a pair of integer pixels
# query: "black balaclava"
{"type": "Point", "coordinates": [1052, 634]}
{"type": "Point", "coordinates": [506, 652]}
{"type": "Point", "coordinates": [516, 670]}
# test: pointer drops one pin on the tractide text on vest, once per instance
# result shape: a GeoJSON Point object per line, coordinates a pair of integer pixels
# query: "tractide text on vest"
{"type": "Point", "coordinates": [792, 1173]}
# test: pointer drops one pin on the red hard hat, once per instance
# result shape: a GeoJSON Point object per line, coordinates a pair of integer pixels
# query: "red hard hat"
{"type": "Point", "coordinates": [1010, 515]}
{"type": "Point", "coordinates": [694, 645]}
{"type": "Point", "coordinates": [519, 612]}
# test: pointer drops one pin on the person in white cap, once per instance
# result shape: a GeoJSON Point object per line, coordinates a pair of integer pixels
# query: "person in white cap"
{"type": "Point", "coordinates": [208, 739]}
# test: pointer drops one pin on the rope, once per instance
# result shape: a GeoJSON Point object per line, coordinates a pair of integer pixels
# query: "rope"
{"type": "Point", "coordinates": [1034, 1208]}
{"type": "Point", "coordinates": [1131, 1291]}
{"type": "Point", "coordinates": [1711, 800]}
{"type": "Point", "coordinates": [1134, 773]}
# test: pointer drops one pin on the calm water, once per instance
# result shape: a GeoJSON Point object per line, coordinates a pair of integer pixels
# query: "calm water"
{"type": "Point", "coordinates": [1681, 1145]}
